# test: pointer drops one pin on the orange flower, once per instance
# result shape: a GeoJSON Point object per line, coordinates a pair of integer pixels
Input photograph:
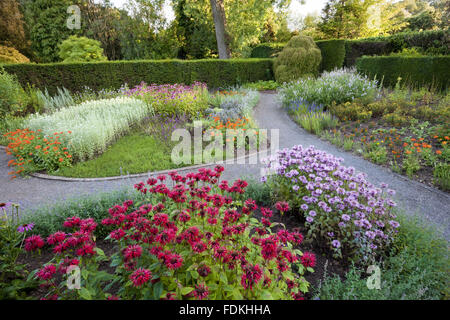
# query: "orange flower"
{"type": "Point", "coordinates": [408, 152]}
{"type": "Point", "coordinates": [37, 147]}
{"type": "Point", "coordinates": [438, 152]}
{"type": "Point", "coordinates": [61, 159]}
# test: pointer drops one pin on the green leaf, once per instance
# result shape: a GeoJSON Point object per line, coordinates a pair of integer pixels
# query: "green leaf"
{"type": "Point", "coordinates": [223, 278]}
{"type": "Point", "coordinates": [85, 294]}
{"type": "Point", "coordinates": [186, 290]}
{"type": "Point", "coordinates": [310, 269]}
{"type": "Point", "coordinates": [266, 295]}
{"type": "Point", "coordinates": [157, 290]}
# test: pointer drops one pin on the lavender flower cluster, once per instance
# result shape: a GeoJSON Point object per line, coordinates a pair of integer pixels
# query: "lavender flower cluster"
{"type": "Point", "coordinates": [339, 205]}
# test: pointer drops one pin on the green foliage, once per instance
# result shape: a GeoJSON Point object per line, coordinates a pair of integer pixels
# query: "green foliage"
{"type": "Point", "coordinates": [333, 54]}
{"type": "Point", "coordinates": [80, 49]}
{"type": "Point", "coordinates": [13, 281]}
{"type": "Point", "coordinates": [267, 50]}
{"type": "Point", "coordinates": [417, 269]}
{"type": "Point", "coordinates": [300, 58]}
{"type": "Point", "coordinates": [351, 111]}
{"type": "Point", "coordinates": [11, 55]}
{"type": "Point", "coordinates": [431, 71]}
{"type": "Point", "coordinates": [60, 100]}
{"type": "Point", "coordinates": [262, 85]}
{"type": "Point", "coordinates": [316, 122]}
{"type": "Point", "coordinates": [49, 218]}
{"type": "Point", "coordinates": [107, 75]}
{"type": "Point", "coordinates": [431, 42]}
{"type": "Point", "coordinates": [13, 99]}
{"type": "Point", "coordinates": [46, 21]}
{"type": "Point", "coordinates": [8, 124]}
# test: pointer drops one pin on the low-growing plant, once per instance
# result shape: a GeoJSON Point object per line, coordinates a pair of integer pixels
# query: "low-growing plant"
{"type": "Point", "coordinates": [441, 175]}
{"type": "Point", "coordinates": [94, 125]}
{"type": "Point", "coordinates": [262, 85]}
{"type": "Point", "coordinates": [32, 151]}
{"type": "Point", "coordinates": [341, 208]}
{"type": "Point", "coordinates": [411, 164]}
{"type": "Point", "coordinates": [13, 276]}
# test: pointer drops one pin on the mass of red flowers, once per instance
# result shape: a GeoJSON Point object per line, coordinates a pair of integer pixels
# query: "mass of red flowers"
{"type": "Point", "coordinates": [193, 237]}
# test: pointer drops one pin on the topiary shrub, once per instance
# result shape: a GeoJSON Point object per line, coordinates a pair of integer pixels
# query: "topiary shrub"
{"type": "Point", "coordinates": [80, 49]}
{"type": "Point", "coordinates": [300, 58]}
{"type": "Point", "coordinates": [11, 55]}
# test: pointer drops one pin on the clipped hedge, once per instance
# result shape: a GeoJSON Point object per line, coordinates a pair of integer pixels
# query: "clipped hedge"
{"type": "Point", "coordinates": [432, 42]}
{"type": "Point", "coordinates": [112, 74]}
{"type": "Point", "coordinates": [267, 50]}
{"type": "Point", "coordinates": [333, 54]}
{"type": "Point", "coordinates": [429, 70]}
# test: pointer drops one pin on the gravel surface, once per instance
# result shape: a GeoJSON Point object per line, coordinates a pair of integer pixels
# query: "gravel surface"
{"type": "Point", "coordinates": [412, 197]}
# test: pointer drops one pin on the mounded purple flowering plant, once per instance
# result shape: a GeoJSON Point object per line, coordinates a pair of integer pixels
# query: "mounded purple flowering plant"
{"type": "Point", "coordinates": [339, 206]}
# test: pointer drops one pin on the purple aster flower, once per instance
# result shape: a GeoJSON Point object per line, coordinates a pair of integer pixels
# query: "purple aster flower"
{"type": "Point", "coordinates": [312, 213]}
{"type": "Point", "coordinates": [309, 219]}
{"type": "Point", "coordinates": [345, 217]}
{"type": "Point", "coordinates": [335, 243]}
{"type": "Point", "coordinates": [304, 207]}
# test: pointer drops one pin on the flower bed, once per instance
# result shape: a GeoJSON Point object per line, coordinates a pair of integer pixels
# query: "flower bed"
{"type": "Point", "coordinates": [341, 208]}
{"type": "Point", "coordinates": [194, 240]}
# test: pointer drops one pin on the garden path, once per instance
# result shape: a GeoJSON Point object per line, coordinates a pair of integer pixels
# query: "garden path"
{"type": "Point", "coordinates": [412, 197]}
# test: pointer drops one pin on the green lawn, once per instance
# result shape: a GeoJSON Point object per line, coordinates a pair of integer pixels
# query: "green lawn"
{"type": "Point", "coordinates": [134, 153]}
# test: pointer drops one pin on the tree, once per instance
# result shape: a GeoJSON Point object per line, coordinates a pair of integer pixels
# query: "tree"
{"type": "Point", "coordinates": [46, 20]}
{"type": "Point", "coordinates": [100, 21]}
{"type": "Point", "coordinates": [81, 49]}
{"type": "Point", "coordinates": [220, 24]}
{"type": "Point", "coordinates": [12, 32]}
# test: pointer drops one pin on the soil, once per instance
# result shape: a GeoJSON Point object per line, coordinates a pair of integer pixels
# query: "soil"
{"type": "Point", "coordinates": [393, 140]}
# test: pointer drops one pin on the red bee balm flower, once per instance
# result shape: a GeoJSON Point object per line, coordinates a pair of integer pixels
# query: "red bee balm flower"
{"type": "Point", "coordinates": [282, 206]}
{"type": "Point", "coordinates": [34, 242]}
{"type": "Point", "coordinates": [201, 291]}
{"type": "Point", "coordinates": [140, 277]}
{"type": "Point", "coordinates": [308, 259]}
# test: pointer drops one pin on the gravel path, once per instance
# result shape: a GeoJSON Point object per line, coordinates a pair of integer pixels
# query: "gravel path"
{"type": "Point", "coordinates": [412, 197]}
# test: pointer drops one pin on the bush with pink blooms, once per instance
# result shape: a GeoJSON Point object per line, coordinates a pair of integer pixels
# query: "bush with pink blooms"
{"type": "Point", "coordinates": [340, 207]}
{"type": "Point", "coordinates": [195, 237]}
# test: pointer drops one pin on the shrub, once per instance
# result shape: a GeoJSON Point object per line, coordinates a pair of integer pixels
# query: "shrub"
{"type": "Point", "coordinates": [337, 86]}
{"type": "Point", "coordinates": [113, 74]}
{"type": "Point", "coordinates": [417, 71]}
{"type": "Point", "coordinates": [94, 125]}
{"type": "Point", "coordinates": [267, 50]}
{"type": "Point", "coordinates": [341, 208]}
{"type": "Point", "coordinates": [195, 240]}
{"type": "Point", "coordinates": [301, 57]}
{"type": "Point", "coordinates": [13, 99]}
{"type": "Point", "coordinates": [333, 54]}
{"type": "Point", "coordinates": [351, 111]}
{"type": "Point", "coordinates": [80, 49]}
{"type": "Point", "coordinates": [11, 55]}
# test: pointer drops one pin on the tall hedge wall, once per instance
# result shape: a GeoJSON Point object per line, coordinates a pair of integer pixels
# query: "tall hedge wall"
{"type": "Point", "coordinates": [413, 70]}
{"type": "Point", "coordinates": [433, 42]}
{"type": "Point", "coordinates": [333, 54]}
{"type": "Point", "coordinates": [113, 74]}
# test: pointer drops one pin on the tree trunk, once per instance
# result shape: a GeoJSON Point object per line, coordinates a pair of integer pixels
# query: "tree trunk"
{"type": "Point", "coordinates": [218, 12]}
